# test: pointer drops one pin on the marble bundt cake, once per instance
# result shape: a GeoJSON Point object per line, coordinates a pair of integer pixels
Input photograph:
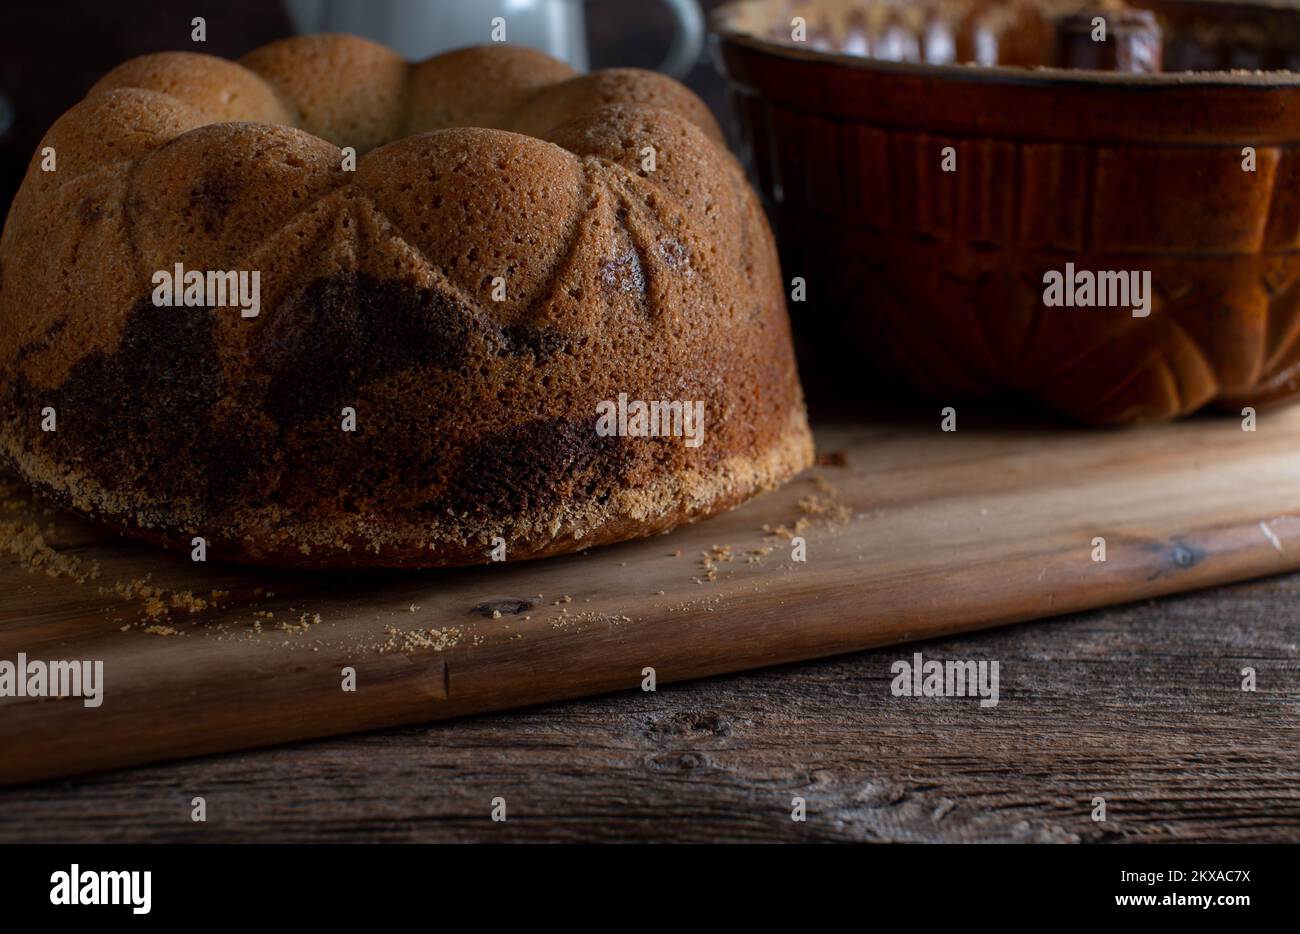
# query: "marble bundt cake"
{"type": "Point", "coordinates": [437, 326]}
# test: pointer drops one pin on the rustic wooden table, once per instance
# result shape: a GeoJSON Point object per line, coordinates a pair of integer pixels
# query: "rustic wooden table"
{"type": "Point", "coordinates": [1141, 705]}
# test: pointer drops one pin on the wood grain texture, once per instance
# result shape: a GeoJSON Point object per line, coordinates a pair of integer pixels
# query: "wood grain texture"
{"type": "Point", "coordinates": [1141, 704]}
{"type": "Point", "coordinates": [942, 533]}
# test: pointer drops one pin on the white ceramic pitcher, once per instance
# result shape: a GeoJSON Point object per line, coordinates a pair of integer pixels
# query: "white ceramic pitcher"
{"type": "Point", "coordinates": [421, 28]}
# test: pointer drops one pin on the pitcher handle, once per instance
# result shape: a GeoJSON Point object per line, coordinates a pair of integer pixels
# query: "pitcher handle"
{"type": "Point", "coordinates": [688, 40]}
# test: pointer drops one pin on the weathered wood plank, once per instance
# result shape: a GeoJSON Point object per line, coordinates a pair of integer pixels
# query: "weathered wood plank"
{"type": "Point", "coordinates": [1141, 704]}
{"type": "Point", "coordinates": [921, 534]}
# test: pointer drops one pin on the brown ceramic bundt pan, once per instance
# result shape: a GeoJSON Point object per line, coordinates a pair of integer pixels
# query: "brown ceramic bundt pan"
{"type": "Point", "coordinates": [938, 277]}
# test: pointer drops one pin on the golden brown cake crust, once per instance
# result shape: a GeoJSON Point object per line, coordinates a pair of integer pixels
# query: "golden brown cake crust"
{"type": "Point", "coordinates": [475, 417]}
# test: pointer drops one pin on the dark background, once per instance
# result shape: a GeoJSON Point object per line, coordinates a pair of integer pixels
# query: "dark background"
{"type": "Point", "coordinates": [52, 53]}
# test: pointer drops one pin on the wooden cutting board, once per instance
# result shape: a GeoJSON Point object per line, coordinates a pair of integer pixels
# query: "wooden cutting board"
{"type": "Point", "coordinates": [910, 533]}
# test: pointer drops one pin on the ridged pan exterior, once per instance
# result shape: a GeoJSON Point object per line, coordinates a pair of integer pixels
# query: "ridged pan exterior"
{"type": "Point", "coordinates": [937, 276]}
